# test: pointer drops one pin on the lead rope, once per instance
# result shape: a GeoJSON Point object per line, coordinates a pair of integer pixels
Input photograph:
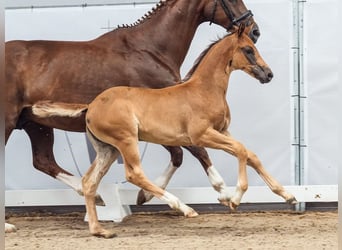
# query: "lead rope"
{"type": "Point", "coordinates": [72, 154]}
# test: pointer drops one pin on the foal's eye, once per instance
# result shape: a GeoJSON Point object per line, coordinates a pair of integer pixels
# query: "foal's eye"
{"type": "Point", "coordinates": [248, 50]}
{"type": "Point", "coordinates": [249, 54]}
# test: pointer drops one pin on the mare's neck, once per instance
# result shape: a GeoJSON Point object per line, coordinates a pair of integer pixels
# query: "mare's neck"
{"type": "Point", "coordinates": [167, 33]}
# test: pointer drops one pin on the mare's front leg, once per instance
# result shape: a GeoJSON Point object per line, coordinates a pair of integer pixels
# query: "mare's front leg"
{"type": "Point", "coordinates": [42, 139]}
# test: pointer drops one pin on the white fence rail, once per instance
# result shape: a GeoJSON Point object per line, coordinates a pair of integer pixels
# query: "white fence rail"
{"type": "Point", "coordinates": [118, 199]}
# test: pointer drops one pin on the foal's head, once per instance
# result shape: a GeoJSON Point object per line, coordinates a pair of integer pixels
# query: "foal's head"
{"type": "Point", "coordinates": [247, 58]}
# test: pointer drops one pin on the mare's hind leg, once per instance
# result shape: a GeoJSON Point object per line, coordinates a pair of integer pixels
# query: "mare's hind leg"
{"type": "Point", "coordinates": [176, 160]}
{"type": "Point", "coordinates": [274, 185]}
{"type": "Point", "coordinates": [214, 177]}
{"type": "Point", "coordinates": [42, 139]}
{"type": "Point", "coordinates": [176, 154]}
{"type": "Point", "coordinates": [105, 156]}
{"type": "Point", "coordinates": [216, 140]}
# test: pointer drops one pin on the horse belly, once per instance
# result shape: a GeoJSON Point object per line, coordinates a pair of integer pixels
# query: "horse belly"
{"type": "Point", "coordinates": [75, 124]}
{"type": "Point", "coordinates": [164, 135]}
{"type": "Point", "coordinates": [64, 123]}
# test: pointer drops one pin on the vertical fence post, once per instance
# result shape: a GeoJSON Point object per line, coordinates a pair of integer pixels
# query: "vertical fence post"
{"type": "Point", "coordinates": [299, 95]}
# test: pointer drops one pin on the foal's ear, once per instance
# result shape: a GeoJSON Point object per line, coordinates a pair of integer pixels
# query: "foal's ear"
{"type": "Point", "coordinates": [241, 29]}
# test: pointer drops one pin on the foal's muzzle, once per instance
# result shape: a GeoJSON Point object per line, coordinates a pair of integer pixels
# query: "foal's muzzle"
{"type": "Point", "coordinates": [263, 74]}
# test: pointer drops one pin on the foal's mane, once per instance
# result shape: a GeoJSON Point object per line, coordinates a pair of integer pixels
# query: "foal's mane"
{"type": "Point", "coordinates": [148, 15]}
{"type": "Point", "coordinates": [201, 56]}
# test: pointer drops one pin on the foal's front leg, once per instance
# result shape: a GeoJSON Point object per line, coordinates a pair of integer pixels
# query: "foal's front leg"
{"type": "Point", "coordinates": [201, 154]}
{"type": "Point", "coordinates": [135, 175]}
{"type": "Point", "coordinates": [273, 184]}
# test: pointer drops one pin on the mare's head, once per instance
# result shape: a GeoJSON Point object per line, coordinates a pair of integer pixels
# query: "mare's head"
{"type": "Point", "coordinates": [230, 13]}
{"type": "Point", "coordinates": [247, 58]}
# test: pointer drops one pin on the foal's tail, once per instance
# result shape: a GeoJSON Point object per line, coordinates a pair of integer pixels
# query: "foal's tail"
{"type": "Point", "coordinates": [49, 109]}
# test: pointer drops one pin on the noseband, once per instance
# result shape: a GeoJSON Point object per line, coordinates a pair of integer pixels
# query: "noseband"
{"type": "Point", "coordinates": [234, 21]}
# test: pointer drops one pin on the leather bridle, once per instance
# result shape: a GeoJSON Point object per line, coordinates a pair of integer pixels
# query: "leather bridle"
{"type": "Point", "coordinates": [234, 21]}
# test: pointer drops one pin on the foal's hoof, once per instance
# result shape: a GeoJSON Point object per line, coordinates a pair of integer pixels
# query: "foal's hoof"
{"type": "Point", "coordinates": [224, 202]}
{"type": "Point", "coordinates": [191, 214]}
{"type": "Point", "coordinates": [105, 234]}
{"type": "Point", "coordinates": [292, 201]}
{"type": "Point", "coordinates": [99, 201]}
{"type": "Point", "coordinates": [233, 206]}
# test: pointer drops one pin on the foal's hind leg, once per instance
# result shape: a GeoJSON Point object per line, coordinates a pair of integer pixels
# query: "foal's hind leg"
{"type": "Point", "coordinates": [42, 139]}
{"type": "Point", "coordinates": [274, 185]}
{"type": "Point", "coordinates": [105, 156]}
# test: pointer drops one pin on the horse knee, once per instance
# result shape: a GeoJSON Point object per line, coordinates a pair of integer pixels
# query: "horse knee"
{"type": "Point", "coordinates": [88, 187]}
{"type": "Point", "coordinates": [241, 152]}
{"type": "Point", "coordinates": [135, 176]}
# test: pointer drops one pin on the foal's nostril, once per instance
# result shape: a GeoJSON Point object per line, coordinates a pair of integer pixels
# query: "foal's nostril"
{"type": "Point", "coordinates": [270, 75]}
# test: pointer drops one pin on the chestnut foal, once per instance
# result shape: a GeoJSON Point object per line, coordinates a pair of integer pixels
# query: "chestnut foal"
{"type": "Point", "coordinates": [192, 113]}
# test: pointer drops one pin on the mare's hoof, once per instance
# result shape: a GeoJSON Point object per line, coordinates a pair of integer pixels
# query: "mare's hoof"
{"type": "Point", "coordinates": [99, 201]}
{"type": "Point", "coordinates": [9, 228]}
{"type": "Point", "coordinates": [141, 198]}
{"type": "Point", "coordinates": [292, 201]}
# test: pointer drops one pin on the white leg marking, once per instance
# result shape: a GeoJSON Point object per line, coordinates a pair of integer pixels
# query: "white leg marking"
{"type": "Point", "coordinates": [162, 180]}
{"type": "Point", "coordinates": [218, 183]}
{"type": "Point", "coordinates": [176, 204]}
{"type": "Point", "coordinates": [76, 184]}
{"type": "Point", "coordinates": [238, 194]}
{"type": "Point", "coordinates": [72, 181]}
{"type": "Point", "coordinates": [9, 228]}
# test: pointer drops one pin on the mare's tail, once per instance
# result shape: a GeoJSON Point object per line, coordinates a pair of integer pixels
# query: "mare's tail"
{"type": "Point", "coordinates": [49, 109]}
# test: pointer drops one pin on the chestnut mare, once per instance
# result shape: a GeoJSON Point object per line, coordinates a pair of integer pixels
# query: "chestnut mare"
{"type": "Point", "coordinates": [121, 116]}
{"type": "Point", "coordinates": [148, 53]}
